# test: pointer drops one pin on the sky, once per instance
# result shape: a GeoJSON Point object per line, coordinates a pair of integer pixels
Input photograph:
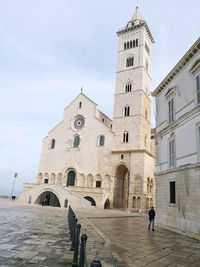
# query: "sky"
{"type": "Point", "coordinates": [50, 49]}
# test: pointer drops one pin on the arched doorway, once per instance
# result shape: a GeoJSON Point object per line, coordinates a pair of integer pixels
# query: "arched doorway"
{"type": "Point", "coordinates": [93, 203]}
{"type": "Point", "coordinates": [48, 198]}
{"type": "Point", "coordinates": [107, 204]}
{"type": "Point", "coordinates": [71, 178]}
{"type": "Point", "coordinates": [121, 188]}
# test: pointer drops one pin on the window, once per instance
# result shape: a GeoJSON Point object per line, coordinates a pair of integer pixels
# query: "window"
{"type": "Point", "coordinates": [131, 44]}
{"type": "Point", "coordinates": [172, 188]}
{"type": "Point", "coordinates": [147, 48]}
{"type": "Point", "coordinates": [46, 181]}
{"type": "Point", "coordinates": [146, 114]}
{"type": "Point", "coordinates": [128, 87]}
{"type": "Point", "coordinates": [52, 144]}
{"type": "Point", "coordinates": [172, 153]}
{"type": "Point", "coordinates": [124, 46]}
{"type": "Point", "coordinates": [126, 111]}
{"type": "Point", "coordinates": [147, 65]}
{"type": "Point", "coordinates": [136, 42]}
{"type": "Point", "coordinates": [76, 141]}
{"type": "Point", "coordinates": [171, 110]}
{"type": "Point", "coordinates": [122, 156]}
{"type": "Point", "coordinates": [127, 45]}
{"type": "Point", "coordinates": [145, 140]}
{"type": "Point", "coordinates": [198, 88]}
{"type": "Point", "coordinates": [198, 140]}
{"type": "Point", "coordinates": [98, 183]}
{"type": "Point", "coordinates": [101, 140]}
{"type": "Point", "coordinates": [125, 137]}
{"type": "Point", "coordinates": [80, 104]}
{"type": "Point", "coordinates": [129, 62]}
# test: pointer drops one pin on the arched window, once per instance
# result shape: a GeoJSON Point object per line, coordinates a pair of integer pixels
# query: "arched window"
{"type": "Point", "coordinates": [131, 44]}
{"type": "Point", "coordinates": [136, 42]}
{"type": "Point", "coordinates": [129, 62]}
{"type": "Point", "coordinates": [127, 111]}
{"type": "Point", "coordinates": [124, 46]}
{"type": "Point", "coordinates": [128, 87]}
{"type": "Point", "coordinates": [127, 45]}
{"type": "Point", "coordinates": [80, 104]}
{"type": "Point", "coordinates": [52, 144]}
{"type": "Point", "coordinates": [76, 141]}
{"type": "Point", "coordinates": [125, 137]}
{"type": "Point", "coordinates": [101, 140]}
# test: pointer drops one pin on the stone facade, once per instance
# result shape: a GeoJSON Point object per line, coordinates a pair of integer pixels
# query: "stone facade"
{"type": "Point", "coordinates": [109, 162]}
{"type": "Point", "coordinates": [178, 146]}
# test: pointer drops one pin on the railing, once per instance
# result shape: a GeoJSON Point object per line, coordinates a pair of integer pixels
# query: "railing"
{"type": "Point", "coordinates": [77, 245]}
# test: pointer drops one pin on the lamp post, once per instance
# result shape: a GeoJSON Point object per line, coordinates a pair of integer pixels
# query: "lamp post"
{"type": "Point", "coordinates": [15, 176]}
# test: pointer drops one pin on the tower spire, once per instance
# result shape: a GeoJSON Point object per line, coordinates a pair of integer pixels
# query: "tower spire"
{"type": "Point", "coordinates": [137, 15]}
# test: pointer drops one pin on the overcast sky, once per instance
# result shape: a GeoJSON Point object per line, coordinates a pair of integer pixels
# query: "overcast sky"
{"type": "Point", "coordinates": [49, 49]}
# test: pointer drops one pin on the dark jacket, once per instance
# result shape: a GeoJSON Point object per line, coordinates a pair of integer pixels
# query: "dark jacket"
{"type": "Point", "coordinates": [152, 214]}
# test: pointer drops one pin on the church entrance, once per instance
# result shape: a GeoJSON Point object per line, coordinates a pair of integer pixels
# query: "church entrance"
{"type": "Point", "coordinates": [121, 187]}
{"type": "Point", "coordinates": [48, 199]}
{"type": "Point", "coordinates": [71, 178]}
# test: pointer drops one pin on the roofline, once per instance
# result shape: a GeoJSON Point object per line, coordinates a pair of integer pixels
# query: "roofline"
{"type": "Point", "coordinates": [143, 23]}
{"type": "Point", "coordinates": [178, 67]}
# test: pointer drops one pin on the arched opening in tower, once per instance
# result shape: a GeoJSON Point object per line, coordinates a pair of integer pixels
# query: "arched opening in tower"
{"type": "Point", "coordinates": [48, 198]}
{"type": "Point", "coordinates": [121, 187]}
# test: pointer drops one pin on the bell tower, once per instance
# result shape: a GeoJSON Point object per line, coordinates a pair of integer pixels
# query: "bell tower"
{"type": "Point", "coordinates": [132, 105]}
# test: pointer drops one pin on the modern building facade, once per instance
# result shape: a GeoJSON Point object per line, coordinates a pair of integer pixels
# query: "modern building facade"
{"type": "Point", "coordinates": [178, 146]}
{"type": "Point", "coordinates": [108, 162]}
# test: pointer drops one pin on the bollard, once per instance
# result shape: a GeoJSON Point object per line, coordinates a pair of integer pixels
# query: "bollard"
{"type": "Point", "coordinates": [74, 234]}
{"type": "Point", "coordinates": [82, 257]}
{"type": "Point", "coordinates": [76, 249]}
{"type": "Point", "coordinates": [96, 263]}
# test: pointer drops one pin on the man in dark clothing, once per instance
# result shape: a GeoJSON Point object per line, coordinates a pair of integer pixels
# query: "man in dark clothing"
{"type": "Point", "coordinates": [152, 215]}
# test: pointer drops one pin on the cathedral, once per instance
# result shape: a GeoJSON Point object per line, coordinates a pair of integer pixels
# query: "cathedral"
{"type": "Point", "coordinates": [89, 159]}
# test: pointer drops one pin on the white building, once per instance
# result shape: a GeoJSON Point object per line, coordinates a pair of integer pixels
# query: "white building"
{"type": "Point", "coordinates": [178, 146]}
{"type": "Point", "coordinates": [109, 162]}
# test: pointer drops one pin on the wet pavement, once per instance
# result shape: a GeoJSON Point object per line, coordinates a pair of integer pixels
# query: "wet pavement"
{"type": "Point", "coordinates": [39, 236]}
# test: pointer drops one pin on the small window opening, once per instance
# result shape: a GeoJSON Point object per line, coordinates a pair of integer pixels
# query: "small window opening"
{"type": "Point", "coordinates": [80, 104]}
{"type": "Point", "coordinates": [98, 183]}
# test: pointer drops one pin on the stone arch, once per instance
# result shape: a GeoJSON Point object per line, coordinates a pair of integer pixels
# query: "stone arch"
{"type": "Point", "coordinates": [134, 203]}
{"type": "Point", "coordinates": [48, 198]}
{"type": "Point", "coordinates": [52, 178]}
{"type": "Point", "coordinates": [151, 186]}
{"type": "Point", "coordinates": [40, 178]}
{"type": "Point", "coordinates": [89, 180]}
{"type": "Point", "coordinates": [107, 204]}
{"type": "Point", "coordinates": [81, 180]}
{"type": "Point", "coordinates": [46, 178]}
{"type": "Point", "coordinates": [92, 201]}
{"type": "Point", "coordinates": [59, 179]}
{"type": "Point", "coordinates": [148, 185]}
{"type": "Point", "coordinates": [107, 182]}
{"type": "Point", "coordinates": [138, 203]}
{"type": "Point", "coordinates": [121, 187]}
{"type": "Point", "coordinates": [137, 184]}
{"type": "Point", "coordinates": [30, 199]}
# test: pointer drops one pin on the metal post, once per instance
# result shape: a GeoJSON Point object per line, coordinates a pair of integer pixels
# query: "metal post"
{"type": "Point", "coordinates": [15, 176]}
{"type": "Point", "coordinates": [82, 258]}
{"type": "Point", "coordinates": [96, 263]}
{"type": "Point", "coordinates": [76, 249]}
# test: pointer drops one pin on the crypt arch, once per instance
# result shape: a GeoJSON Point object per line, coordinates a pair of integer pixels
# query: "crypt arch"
{"type": "Point", "coordinates": [91, 200]}
{"type": "Point", "coordinates": [48, 198]}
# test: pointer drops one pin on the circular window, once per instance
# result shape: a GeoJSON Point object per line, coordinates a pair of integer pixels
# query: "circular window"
{"type": "Point", "coordinates": [79, 122]}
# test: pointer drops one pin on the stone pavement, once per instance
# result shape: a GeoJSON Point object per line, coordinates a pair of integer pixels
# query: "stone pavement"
{"type": "Point", "coordinates": [38, 236]}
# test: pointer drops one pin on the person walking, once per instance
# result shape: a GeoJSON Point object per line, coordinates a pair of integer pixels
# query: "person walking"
{"type": "Point", "coordinates": [152, 215]}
